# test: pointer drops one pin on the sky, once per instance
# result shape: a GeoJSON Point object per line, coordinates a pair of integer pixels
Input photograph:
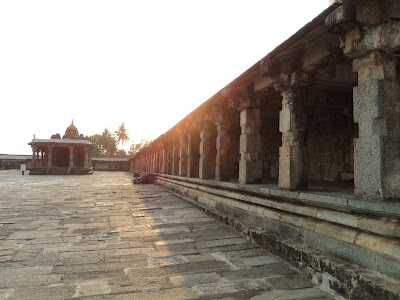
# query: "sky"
{"type": "Point", "coordinates": [145, 63]}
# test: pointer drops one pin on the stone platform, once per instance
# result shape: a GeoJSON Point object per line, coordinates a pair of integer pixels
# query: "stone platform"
{"type": "Point", "coordinates": [100, 237]}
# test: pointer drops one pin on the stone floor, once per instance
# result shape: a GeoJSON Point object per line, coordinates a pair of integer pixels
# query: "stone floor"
{"type": "Point", "coordinates": [100, 237]}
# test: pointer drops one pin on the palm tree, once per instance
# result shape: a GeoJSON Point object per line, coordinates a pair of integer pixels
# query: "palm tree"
{"type": "Point", "coordinates": [121, 135]}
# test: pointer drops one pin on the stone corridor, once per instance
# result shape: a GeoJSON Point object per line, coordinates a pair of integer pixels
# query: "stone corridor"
{"type": "Point", "coordinates": [100, 237]}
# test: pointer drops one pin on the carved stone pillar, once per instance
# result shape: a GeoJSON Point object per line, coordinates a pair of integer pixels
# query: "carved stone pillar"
{"type": "Point", "coordinates": [33, 157]}
{"type": "Point", "coordinates": [183, 154]}
{"type": "Point", "coordinates": [293, 157]}
{"type": "Point", "coordinates": [164, 162]}
{"type": "Point", "coordinates": [193, 153]}
{"type": "Point", "coordinates": [169, 158]}
{"type": "Point", "coordinates": [71, 159]}
{"type": "Point", "coordinates": [49, 157]}
{"type": "Point", "coordinates": [90, 165]}
{"type": "Point", "coordinates": [377, 112]}
{"type": "Point", "coordinates": [175, 157]}
{"type": "Point", "coordinates": [222, 167]}
{"type": "Point", "coordinates": [86, 163]}
{"type": "Point", "coordinates": [207, 151]}
{"type": "Point", "coordinates": [250, 165]}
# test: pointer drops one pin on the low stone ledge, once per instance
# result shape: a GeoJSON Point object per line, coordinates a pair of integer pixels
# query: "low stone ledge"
{"type": "Point", "coordinates": [360, 222]}
{"type": "Point", "coordinates": [320, 199]}
{"type": "Point", "coordinates": [346, 279]}
{"type": "Point", "coordinates": [322, 235]}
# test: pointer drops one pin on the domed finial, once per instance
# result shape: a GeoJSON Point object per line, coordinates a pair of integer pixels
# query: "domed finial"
{"type": "Point", "coordinates": [72, 121]}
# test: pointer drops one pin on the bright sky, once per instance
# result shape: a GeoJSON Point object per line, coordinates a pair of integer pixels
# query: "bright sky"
{"type": "Point", "coordinates": [146, 63]}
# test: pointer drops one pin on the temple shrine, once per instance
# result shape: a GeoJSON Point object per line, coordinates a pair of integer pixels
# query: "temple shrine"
{"type": "Point", "coordinates": [71, 154]}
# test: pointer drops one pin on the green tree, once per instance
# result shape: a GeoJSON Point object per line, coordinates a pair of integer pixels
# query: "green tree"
{"type": "Point", "coordinates": [103, 144]}
{"type": "Point", "coordinates": [121, 152]}
{"type": "Point", "coordinates": [122, 135]}
{"type": "Point", "coordinates": [135, 148]}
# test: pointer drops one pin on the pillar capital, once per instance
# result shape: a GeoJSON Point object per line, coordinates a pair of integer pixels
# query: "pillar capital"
{"type": "Point", "coordinates": [296, 82]}
{"type": "Point", "coordinates": [244, 101]}
{"type": "Point", "coordinates": [375, 65]}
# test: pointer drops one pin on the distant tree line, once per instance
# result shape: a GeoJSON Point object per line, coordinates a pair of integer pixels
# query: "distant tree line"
{"type": "Point", "coordinates": [106, 143]}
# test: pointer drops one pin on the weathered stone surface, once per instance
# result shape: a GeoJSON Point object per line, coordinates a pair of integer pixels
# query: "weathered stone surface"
{"type": "Point", "coordinates": [127, 242]}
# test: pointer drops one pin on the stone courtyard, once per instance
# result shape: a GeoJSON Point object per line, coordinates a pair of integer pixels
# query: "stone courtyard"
{"type": "Point", "coordinates": [101, 237]}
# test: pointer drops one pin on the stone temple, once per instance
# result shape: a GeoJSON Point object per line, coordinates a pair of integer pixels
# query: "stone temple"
{"type": "Point", "coordinates": [301, 152]}
{"type": "Point", "coordinates": [69, 155]}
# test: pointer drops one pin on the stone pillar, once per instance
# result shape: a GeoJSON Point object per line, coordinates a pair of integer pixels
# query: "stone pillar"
{"type": "Point", "coordinates": [183, 156]}
{"type": "Point", "coordinates": [293, 157]}
{"type": "Point", "coordinates": [49, 157]}
{"type": "Point", "coordinates": [71, 159]}
{"type": "Point", "coordinates": [90, 158]}
{"type": "Point", "coordinates": [193, 154]}
{"type": "Point", "coordinates": [33, 157]}
{"type": "Point", "coordinates": [222, 168]}
{"type": "Point", "coordinates": [169, 159]}
{"type": "Point", "coordinates": [207, 151]}
{"type": "Point", "coordinates": [152, 162]}
{"type": "Point", "coordinates": [377, 112]}
{"type": "Point", "coordinates": [250, 165]}
{"type": "Point", "coordinates": [86, 163]}
{"type": "Point", "coordinates": [175, 157]}
{"type": "Point", "coordinates": [164, 160]}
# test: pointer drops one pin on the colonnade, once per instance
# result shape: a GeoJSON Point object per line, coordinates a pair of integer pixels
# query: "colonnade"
{"type": "Point", "coordinates": [345, 81]}
{"type": "Point", "coordinates": [48, 156]}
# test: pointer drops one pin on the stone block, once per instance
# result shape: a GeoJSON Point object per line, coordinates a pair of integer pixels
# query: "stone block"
{"type": "Point", "coordinates": [243, 206]}
{"type": "Point", "coordinates": [292, 219]}
{"type": "Point", "coordinates": [388, 266]}
{"type": "Point", "coordinates": [388, 208]}
{"type": "Point", "coordinates": [323, 199]}
{"type": "Point", "coordinates": [256, 209]}
{"type": "Point", "coordinates": [249, 188]}
{"type": "Point", "coordinates": [284, 193]}
{"type": "Point", "coordinates": [341, 249]}
{"type": "Point", "coordinates": [260, 201]}
{"type": "Point", "coordinates": [379, 244]}
{"type": "Point", "coordinates": [265, 191]}
{"type": "Point", "coordinates": [338, 217]}
{"type": "Point", "coordinates": [337, 232]}
{"type": "Point", "coordinates": [310, 224]}
{"type": "Point", "coordinates": [369, 12]}
{"type": "Point", "coordinates": [377, 226]}
{"type": "Point", "coordinates": [193, 279]}
{"type": "Point", "coordinates": [269, 213]}
{"type": "Point", "coordinates": [396, 232]}
{"type": "Point", "coordinates": [303, 210]}
{"type": "Point", "coordinates": [245, 197]}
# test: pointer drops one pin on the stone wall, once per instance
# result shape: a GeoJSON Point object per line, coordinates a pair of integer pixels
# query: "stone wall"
{"type": "Point", "coordinates": [110, 166]}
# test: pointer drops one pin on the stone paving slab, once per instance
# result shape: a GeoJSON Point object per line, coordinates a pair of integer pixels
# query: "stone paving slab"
{"type": "Point", "coordinates": [100, 237]}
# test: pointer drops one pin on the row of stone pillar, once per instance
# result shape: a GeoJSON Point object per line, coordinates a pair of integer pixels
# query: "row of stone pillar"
{"type": "Point", "coordinates": [376, 149]}
{"type": "Point", "coordinates": [41, 158]}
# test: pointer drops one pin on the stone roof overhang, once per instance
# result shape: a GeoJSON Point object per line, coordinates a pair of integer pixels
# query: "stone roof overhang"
{"type": "Point", "coordinates": [61, 142]}
{"type": "Point", "coordinates": [15, 156]}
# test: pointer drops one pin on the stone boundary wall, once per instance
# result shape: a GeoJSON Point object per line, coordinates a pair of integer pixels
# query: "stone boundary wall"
{"type": "Point", "coordinates": [340, 250]}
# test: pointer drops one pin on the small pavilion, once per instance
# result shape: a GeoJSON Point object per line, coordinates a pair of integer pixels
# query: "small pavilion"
{"type": "Point", "coordinates": [71, 154]}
